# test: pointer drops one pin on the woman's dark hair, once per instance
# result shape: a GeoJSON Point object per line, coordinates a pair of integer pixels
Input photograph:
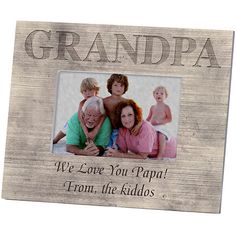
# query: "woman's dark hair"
{"type": "Point", "coordinates": [119, 78]}
{"type": "Point", "coordinates": [137, 112]}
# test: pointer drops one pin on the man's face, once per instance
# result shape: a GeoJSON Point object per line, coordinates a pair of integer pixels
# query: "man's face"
{"type": "Point", "coordinates": [92, 117]}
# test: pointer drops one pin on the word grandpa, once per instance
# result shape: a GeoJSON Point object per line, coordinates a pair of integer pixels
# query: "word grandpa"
{"type": "Point", "coordinates": [108, 47]}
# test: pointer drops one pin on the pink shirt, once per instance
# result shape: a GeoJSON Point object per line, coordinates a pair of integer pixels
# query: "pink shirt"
{"type": "Point", "coordinates": [144, 142]}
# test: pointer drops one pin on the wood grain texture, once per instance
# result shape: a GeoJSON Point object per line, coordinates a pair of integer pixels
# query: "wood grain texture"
{"type": "Point", "coordinates": [193, 181]}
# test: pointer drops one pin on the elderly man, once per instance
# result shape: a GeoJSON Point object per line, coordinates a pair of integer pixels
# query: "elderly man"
{"type": "Point", "coordinates": [76, 142]}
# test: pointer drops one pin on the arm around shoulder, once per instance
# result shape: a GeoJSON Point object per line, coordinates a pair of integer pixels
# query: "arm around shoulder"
{"type": "Point", "coordinates": [103, 136]}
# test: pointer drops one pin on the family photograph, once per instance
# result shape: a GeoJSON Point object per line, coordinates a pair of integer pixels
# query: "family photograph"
{"type": "Point", "coordinates": [116, 115]}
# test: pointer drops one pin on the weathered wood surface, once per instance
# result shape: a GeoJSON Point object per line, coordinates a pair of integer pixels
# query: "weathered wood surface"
{"type": "Point", "coordinates": [193, 181]}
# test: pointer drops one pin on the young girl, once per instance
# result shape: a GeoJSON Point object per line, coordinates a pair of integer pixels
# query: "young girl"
{"type": "Point", "coordinates": [159, 116]}
{"type": "Point", "coordinates": [88, 88]}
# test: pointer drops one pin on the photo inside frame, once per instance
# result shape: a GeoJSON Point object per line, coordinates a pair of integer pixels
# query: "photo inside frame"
{"type": "Point", "coordinates": [140, 89]}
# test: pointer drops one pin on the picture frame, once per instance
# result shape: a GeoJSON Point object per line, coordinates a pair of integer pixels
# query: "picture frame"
{"type": "Point", "coordinates": [201, 62]}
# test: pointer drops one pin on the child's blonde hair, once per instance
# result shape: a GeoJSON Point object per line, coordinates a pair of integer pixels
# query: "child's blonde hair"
{"type": "Point", "coordinates": [89, 84]}
{"type": "Point", "coordinates": [161, 87]}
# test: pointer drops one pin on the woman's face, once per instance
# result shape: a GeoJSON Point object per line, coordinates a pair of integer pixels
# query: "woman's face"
{"type": "Point", "coordinates": [127, 117]}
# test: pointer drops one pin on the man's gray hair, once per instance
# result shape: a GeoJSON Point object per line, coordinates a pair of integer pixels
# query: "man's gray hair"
{"type": "Point", "coordinates": [95, 102]}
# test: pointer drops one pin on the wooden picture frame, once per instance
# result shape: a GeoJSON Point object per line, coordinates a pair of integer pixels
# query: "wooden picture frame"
{"type": "Point", "coordinates": [195, 62]}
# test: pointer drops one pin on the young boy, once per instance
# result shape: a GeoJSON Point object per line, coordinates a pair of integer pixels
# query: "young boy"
{"type": "Point", "coordinates": [88, 88]}
{"type": "Point", "coordinates": [159, 116]}
{"type": "Point", "coordinates": [117, 85]}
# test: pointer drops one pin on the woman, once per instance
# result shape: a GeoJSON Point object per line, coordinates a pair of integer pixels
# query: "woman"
{"type": "Point", "coordinates": [142, 145]}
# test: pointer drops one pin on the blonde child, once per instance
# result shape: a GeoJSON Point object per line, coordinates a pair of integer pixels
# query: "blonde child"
{"type": "Point", "coordinates": [88, 88]}
{"type": "Point", "coordinates": [159, 115]}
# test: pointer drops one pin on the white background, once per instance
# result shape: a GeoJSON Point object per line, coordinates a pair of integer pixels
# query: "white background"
{"type": "Point", "coordinates": [69, 96]}
{"type": "Point", "coordinates": [33, 218]}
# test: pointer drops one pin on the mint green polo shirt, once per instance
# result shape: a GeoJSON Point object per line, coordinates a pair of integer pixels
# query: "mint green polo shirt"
{"type": "Point", "coordinates": [75, 134]}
